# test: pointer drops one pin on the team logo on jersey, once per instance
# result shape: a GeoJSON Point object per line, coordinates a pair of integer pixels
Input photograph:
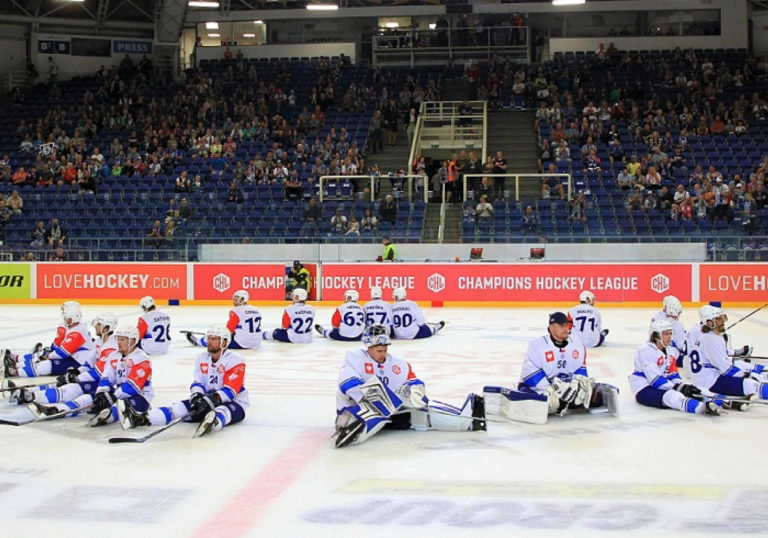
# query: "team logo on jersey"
{"type": "Point", "coordinates": [204, 367]}
{"type": "Point", "coordinates": [549, 356]}
{"type": "Point", "coordinates": [129, 364]}
{"type": "Point", "coordinates": [368, 368]}
{"type": "Point", "coordinates": [575, 354]}
{"type": "Point", "coordinates": [396, 369]}
{"type": "Point", "coordinates": [220, 368]}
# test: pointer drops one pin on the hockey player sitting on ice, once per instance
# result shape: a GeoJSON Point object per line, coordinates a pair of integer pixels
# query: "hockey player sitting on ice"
{"type": "Point", "coordinates": [154, 328]}
{"type": "Point", "coordinates": [378, 311]}
{"type": "Point", "coordinates": [656, 381]}
{"type": "Point", "coordinates": [71, 348]}
{"type": "Point", "coordinates": [587, 321]}
{"type": "Point", "coordinates": [298, 320]}
{"type": "Point", "coordinates": [377, 390]}
{"type": "Point", "coordinates": [218, 397]}
{"type": "Point", "coordinates": [75, 381]}
{"type": "Point", "coordinates": [670, 312]}
{"type": "Point", "coordinates": [554, 380]}
{"type": "Point", "coordinates": [127, 376]}
{"type": "Point", "coordinates": [710, 365]}
{"type": "Point", "coordinates": [408, 320]}
{"type": "Point", "coordinates": [348, 320]}
{"type": "Point", "coordinates": [244, 325]}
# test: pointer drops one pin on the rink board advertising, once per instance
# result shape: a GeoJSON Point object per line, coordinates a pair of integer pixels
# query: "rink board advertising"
{"type": "Point", "coordinates": [264, 282]}
{"type": "Point", "coordinates": [15, 281]}
{"type": "Point", "coordinates": [510, 282]}
{"type": "Point", "coordinates": [745, 282]}
{"type": "Point", "coordinates": [111, 281]}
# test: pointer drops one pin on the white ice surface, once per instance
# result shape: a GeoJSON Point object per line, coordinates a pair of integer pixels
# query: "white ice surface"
{"type": "Point", "coordinates": [647, 472]}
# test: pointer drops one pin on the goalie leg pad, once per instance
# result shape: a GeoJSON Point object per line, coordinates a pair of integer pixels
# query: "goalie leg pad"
{"type": "Point", "coordinates": [492, 396]}
{"type": "Point", "coordinates": [527, 407]}
{"type": "Point", "coordinates": [608, 399]}
{"type": "Point", "coordinates": [445, 417]}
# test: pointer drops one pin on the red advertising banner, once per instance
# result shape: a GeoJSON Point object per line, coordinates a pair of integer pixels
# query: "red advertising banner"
{"type": "Point", "coordinates": [740, 282]}
{"type": "Point", "coordinates": [263, 281]}
{"type": "Point", "coordinates": [510, 282]}
{"type": "Point", "coordinates": [111, 280]}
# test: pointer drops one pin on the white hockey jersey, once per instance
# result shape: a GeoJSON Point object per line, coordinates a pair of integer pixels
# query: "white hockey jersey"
{"type": "Point", "coordinates": [298, 320]}
{"type": "Point", "coordinates": [128, 376]}
{"type": "Point", "coordinates": [225, 376]}
{"type": "Point", "coordinates": [359, 367]}
{"type": "Point", "coordinates": [587, 322]}
{"type": "Point", "coordinates": [544, 361]}
{"type": "Point", "coordinates": [349, 319]}
{"type": "Point", "coordinates": [678, 336]}
{"type": "Point", "coordinates": [245, 323]}
{"type": "Point", "coordinates": [75, 342]}
{"type": "Point", "coordinates": [155, 332]}
{"type": "Point", "coordinates": [655, 368]}
{"type": "Point", "coordinates": [378, 312]}
{"type": "Point", "coordinates": [707, 358]}
{"type": "Point", "coordinates": [407, 317]}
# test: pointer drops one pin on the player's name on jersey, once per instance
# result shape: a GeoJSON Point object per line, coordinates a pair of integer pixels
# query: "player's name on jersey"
{"type": "Point", "coordinates": [361, 282]}
{"type": "Point", "coordinates": [546, 283]}
{"type": "Point", "coordinates": [738, 282]}
{"type": "Point", "coordinates": [263, 282]}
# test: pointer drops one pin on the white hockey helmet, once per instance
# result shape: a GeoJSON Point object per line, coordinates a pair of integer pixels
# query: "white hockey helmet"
{"type": "Point", "coordinates": [217, 331]}
{"type": "Point", "coordinates": [376, 335]}
{"type": "Point", "coordinates": [376, 292]}
{"type": "Point", "coordinates": [127, 331]}
{"type": "Point", "coordinates": [672, 306]}
{"type": "Point", "coordinates": [299, 294]}
{"type": "Point", "coordinates": [106, 319]}
{"type": "Point", "coordinates": [351, 295]}
{"type": "Point", "coordinates": [398, 294]}
{"type": "Point", "coordinates": [587, 297]}
{"type": "Point", "coordinates": [71, 311]}
{"type": "Point", "coordinates": [146, 303]}
{"type": "Point", "coordinates": [241, 297]}
{"type": "Point", "coordinates": [659, 327]}
{"type": "Point", "coordinates": [709, 312]}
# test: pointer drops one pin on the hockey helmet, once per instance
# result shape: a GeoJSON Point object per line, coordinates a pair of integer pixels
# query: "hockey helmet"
{"type": "Point", "coordinates": [240, 297]}
{"type": "Point", "coordinates": [351, 295]}
{"type": "Point", "coordinates": [376, 335]}
{"type": "Point", "coordinates": [147, 303]}
{"type": "Point", "coordinates": [672, 306]}
{"type": "Point", "coordinates": [71, 311]}
{"type": "Point", "coordinates": [217, 331]}
{"type": "Point", "coordinates": [376, 292]}
{"type": "Point", "coordinates": [398, 294]}
{"type": "Point", "coordinates": [587, 297]}
{"type": "Point", "coordinates": [299, 294]}
{"type": "Point", "coordinates": [709, 312]}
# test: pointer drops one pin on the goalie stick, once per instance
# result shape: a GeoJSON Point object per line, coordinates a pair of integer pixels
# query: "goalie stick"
{"type": "Point", "coordinates": [60, 414]}
{"type": "Point", "coordinates": [114, 440]}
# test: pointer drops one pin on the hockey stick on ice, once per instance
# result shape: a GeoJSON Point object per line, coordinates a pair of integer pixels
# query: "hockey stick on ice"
{"type": "Point", "coordinates": [755, 311]}
{"type": "Point", "coordinates": [150, 435]}
{"type": "Point", "coordinates": [60, 414]}
{"type": "Point", "coordinates": [30, 386]}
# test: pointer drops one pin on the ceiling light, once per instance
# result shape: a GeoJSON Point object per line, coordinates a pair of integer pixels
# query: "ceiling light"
{"type": "Point", "coordinates": [392, 25]}
{"type": "Point", "coordinates": [258, 22]}
{"type": "Point", "coordinates": [211, 25]}
{"type": "Point", "coordinates": [249, 35]}
{"type": "Point", "coordinates": [568, 2]}
{"type": "Point", "coordinates": [214, 35]}
{"type": "Point", "coordinates": [194, 3]}
{"type": "Point", "coordinates": [432, 25]}
{"type": "Point", "coordinates": [322, 7]}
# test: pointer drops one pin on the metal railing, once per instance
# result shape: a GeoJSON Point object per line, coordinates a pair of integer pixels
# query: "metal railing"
{"type": "Point", "coordinates": [517, 178]}
{"type": "Point", "coordinates": [414, 183]}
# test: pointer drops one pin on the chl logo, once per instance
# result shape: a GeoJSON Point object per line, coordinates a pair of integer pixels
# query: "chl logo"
{"type": "Point", "coordinates": [660, 283]}
{"type": "Point", "coordinates": [221, 282]}
{"type": "Point", "coordinates": [11, 281]}
{"type": "Point", "coordinates": [436, 282]}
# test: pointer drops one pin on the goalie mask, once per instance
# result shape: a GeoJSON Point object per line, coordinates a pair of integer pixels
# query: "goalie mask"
{"type": "Point", "coordinates": [376, 335]}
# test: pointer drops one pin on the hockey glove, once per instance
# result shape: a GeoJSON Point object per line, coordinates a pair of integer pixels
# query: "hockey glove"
{"type": "Point", "coordinates": [70, 376]}
{"type": "Point", "coordinates": [200, 404]}
{"type": "Point", "coordinates": [413, 395]}
{"type": "Point", "coordinates": [103, 400]}
{"type": "Point", "coordinates": [689, 391]}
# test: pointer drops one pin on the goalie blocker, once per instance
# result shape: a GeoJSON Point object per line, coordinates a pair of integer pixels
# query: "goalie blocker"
{"type": "Point", "coordinates": [532, 408]}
